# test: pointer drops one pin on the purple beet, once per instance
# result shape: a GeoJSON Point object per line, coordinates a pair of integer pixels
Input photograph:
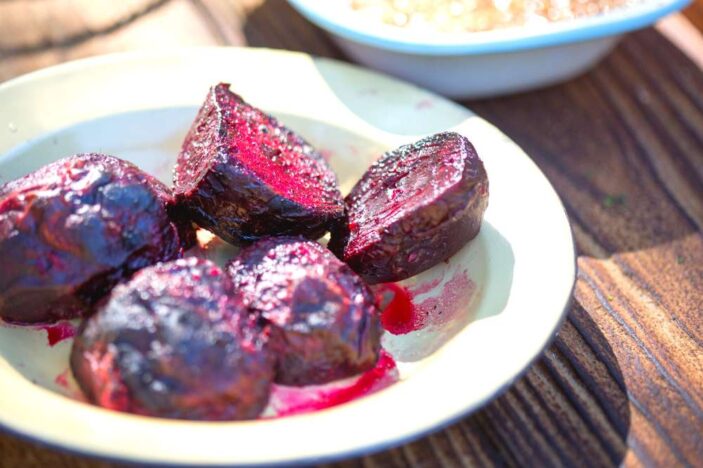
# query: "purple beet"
{"type": "Point", "coordinates": [414, 208]}
{"type": "Point", "coordinates": [174, 342]}
{"type": "Point", "coordinates": [244, 176]}
{"type": "Point", "coordinates": [73, 229]}
{"type": "Point", "coordinates": [323, 319]}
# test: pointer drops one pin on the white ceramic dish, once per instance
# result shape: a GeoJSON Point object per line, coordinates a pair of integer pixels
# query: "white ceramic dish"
{"type": "Point", "coordinates": [491, 63]}
{"type": "Point", "coordinates": [138, 106]}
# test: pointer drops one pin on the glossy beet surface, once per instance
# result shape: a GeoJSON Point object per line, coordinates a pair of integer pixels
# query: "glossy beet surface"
{"type": "Point", "coordinates": [243, 175]}
{"type": "Point", "coordinates": [415, 207]}
{"type": "Point", "coordinates": [323, 319]}
{"type": "Point", "coordinates": [173, 342]}
{"type": "Point", "coordinates": [73, 229]}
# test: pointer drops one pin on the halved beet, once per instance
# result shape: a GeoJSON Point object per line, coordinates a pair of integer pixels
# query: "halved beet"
{"type": "Point", "coordinates": [415, 207]}
{"type": "Point", "coordinates": [242, 175]}
{"type": "Point", "coordinates": [174, 342]}
{"type": "Point", "coordinates": [323, 319]}
{"type": "Point", "coordinates": [74, 228]}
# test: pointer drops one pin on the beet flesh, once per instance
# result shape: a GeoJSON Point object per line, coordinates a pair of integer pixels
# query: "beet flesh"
{"type": "Point", "coordinates": [174, 342]}
{"type": "Point", "coordinates": [243, 175]}
{"type": "Point", "coordinates": [74, 228]}
{"type": "Point", "coordinates": [323, 319]}
{"type": "Point", "coordinates": [414, 208]}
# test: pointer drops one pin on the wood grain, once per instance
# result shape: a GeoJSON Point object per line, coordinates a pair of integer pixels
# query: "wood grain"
{"type": "Point", "coordinates": [694, 13]}
{"type": "Point", "coordinates": [623, 145]}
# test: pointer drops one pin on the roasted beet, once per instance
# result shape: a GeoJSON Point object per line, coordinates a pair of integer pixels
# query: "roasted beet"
{"type": "Point", "coordinates": [415, 207]}
{"type": "Point", "coordinates": [71, 230]}
{"type": "Point", "coordinates": [243, 175]}
{"type": "Point", "coordinates": [323, 319]}
{"type": "Point", "coordinates": [174, 342]}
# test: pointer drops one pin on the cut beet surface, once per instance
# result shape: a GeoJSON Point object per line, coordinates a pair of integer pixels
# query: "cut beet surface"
{"type": "Point", "coordinates": [174, 342]}
{"type": "Point", "coordinates": [244, 176]}
{"type": "Point", "coordinates": [74, 228]}
{"type": "Point", "coordinates": [414, 208]}
{"type": "Point", "coordinates": [323, 319]}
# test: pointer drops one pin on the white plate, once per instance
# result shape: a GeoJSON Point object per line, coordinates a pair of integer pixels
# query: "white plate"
{"type": "Point", "coordinates": [138, 106]}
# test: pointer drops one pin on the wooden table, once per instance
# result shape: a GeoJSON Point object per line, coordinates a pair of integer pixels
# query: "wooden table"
{"type": "Point", "coordinates": [623, 145]}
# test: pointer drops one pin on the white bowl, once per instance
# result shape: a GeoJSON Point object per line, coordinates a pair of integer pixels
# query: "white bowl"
{"type": "Point", "coordinates": [481, 64]}
{"type": "Point", "coordinates": [139, 106]}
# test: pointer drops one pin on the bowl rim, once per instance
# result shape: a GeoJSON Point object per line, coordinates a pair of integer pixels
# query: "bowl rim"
{"type": "Point", "coordinates": [357, 29]}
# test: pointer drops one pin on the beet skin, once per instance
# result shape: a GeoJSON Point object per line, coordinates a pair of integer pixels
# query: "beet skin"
{"type": "Point", "coordinates": [173, 342]}
{"type": "Point", "coordinates": [414, 208]}
{"type": "Point", "coordinates": [323, 319]}
{"type": "Point", "coordinates": [244, 176]}
{"type": "Point", "coordinates": [74, 228]}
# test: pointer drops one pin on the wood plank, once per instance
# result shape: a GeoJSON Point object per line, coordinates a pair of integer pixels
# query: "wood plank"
{"type": "Point", "coordinates": [623, 145]}
{"type": "Point", "coordinates": [173, 24]}
{"type": "Point", "coordinates": [79, 21]}
{"type": "Point", "coordinates": [694, 13]}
